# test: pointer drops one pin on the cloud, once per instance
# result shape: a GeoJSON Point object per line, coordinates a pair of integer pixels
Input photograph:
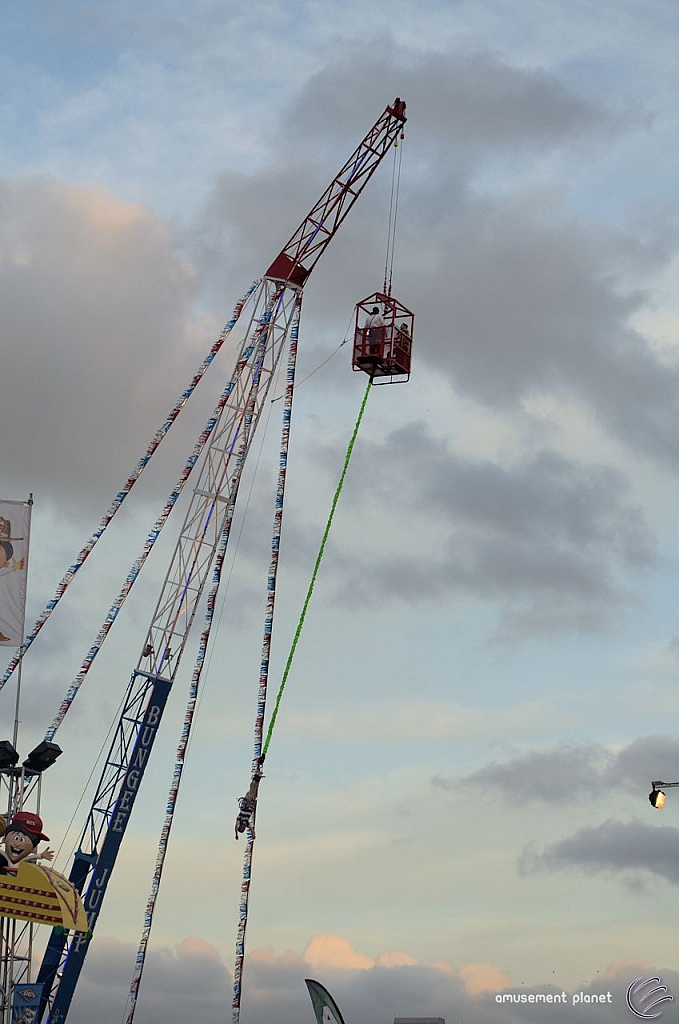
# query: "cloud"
{"type": "Point", "coordinates": [644, 759]}
{"type": "Point", "coordinates": [555, 320]}
{"type": "Point", "coordinates": [542, 530]}
{"type": "Point", "coordinates": [483, 978]}
{"type": "Point", "coordinates": [332, 951]}
{"type": "Point", "coordinates": [481, 103]}
{"type": "Point", "coordinates": [554, 540]}
{"type": "Point", "coordinates": [537, 300]}
{"type": "Point", "coordinates": [96, 336]}
{"type": "Point", "coordinates": [553, 776]}
{"type": "Point", "coordinates": [190, 980]}
{"type": "Point", "coordinates": [613, 846]}
{"type": "Point", "coordinates": [569, 771]}
{"type": "Point", "coordinates": [102, 301]}
{"type": "Point", "coordinates": [396, 959]}
{"type": "Point", "coordinates": [627, 969]}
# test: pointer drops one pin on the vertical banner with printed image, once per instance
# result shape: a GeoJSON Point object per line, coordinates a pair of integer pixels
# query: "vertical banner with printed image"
{"type": "Point", "coordinates": [26, 1003]}
{"type": "Point", "coordinates": [15, 524]}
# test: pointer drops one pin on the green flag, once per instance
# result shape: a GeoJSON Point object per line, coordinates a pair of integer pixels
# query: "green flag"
{"type": "Point", "coordinates": [325, 1007]}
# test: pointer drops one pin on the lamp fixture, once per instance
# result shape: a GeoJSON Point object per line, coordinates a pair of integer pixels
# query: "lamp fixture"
{"type": "Point", "coordinates": [656, 796]}
{"type": "Point", "coordinates": [8, 755]}
{"type": "Point", "coordinates": [42, 757]}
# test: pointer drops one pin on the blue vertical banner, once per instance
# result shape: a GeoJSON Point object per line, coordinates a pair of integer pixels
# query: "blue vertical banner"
{"type": "Point", "coordinates": [26, 1002]}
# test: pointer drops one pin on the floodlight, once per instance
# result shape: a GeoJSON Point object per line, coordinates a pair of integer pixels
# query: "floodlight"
{"type": "Point", "coordinates": [42, 757]}
{"type": "Point", "coordinates": [8, 755]}
{"type": "Point", "coordinates": [657, 798]}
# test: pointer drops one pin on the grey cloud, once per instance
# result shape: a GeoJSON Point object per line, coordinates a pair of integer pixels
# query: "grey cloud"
{"type": "Point", "coordinates": [643, 760]}
{"type": "Point", "coordinates": [531, 302]}
{"type": "Point", "coordinates": [463, 100]}
{"type": "Point", "coordinates": [80, 291]}
{"type": "Point", "coordinates": [554, 776]}
{"type": "Point", "coordinates": [95, 327]}
{"type": "Point", "coordinates": [545, 496]}
{"type": "Point", "coordinates": [186, 983]}
{"type": "Point", "coordinates": [542, 526]}
{"type": "Point", "coordinates": [613, 846]}
{"type": "Point", "coordinates": [192, 983]}
{"type": "Point", "coordinates": [536, 304]}
{"type": "Point", "coordinates": [570, 771]}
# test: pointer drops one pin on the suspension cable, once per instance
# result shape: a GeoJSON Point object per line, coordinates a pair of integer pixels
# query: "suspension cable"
{"type": "Point", "coordinates": [151, 539]}
{"type": "Point", "coordinates": [393, 232]}
{"type": "Point", "coordinates": [393, 213]}
{"type": "Point", "coordinates": [191, 706]}
{"type": "Point", "coordinates": [264, 664]}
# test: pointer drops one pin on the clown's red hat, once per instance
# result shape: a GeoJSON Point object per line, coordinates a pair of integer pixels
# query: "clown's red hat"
{"type": "Point", "coordinates": [28, 822]}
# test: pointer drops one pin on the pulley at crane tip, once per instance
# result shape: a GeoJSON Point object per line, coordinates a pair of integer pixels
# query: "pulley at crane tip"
{"type": "Point", "coordinates": [383, 339]}
{"type": "Point", "coordinates": [398, 109]}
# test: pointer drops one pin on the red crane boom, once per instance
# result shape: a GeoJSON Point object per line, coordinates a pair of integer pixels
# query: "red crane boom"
{"type": "Point", "coordinates": [302, 252]}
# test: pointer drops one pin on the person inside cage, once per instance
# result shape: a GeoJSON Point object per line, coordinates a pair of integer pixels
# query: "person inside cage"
{"type": "Point", "coordinates": [374, 322]}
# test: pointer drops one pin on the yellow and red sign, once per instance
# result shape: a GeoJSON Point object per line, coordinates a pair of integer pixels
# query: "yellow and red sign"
{"type": "Point", "coordinates": [41, 895]}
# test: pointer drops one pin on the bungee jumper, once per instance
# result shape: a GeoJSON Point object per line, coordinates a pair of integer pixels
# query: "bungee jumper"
{"type": "Point", "coordinates": [247, 805]}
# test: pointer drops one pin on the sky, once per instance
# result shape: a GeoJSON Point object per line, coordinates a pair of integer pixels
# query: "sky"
{"type": "Point", "coordinates": [455, 804]}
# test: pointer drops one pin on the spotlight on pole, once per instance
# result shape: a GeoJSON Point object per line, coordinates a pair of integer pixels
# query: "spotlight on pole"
{"type": "Point", "coordinates": [657, 798]}
{"type": "Point", "coordinates": [42, 757]}
{"type": "Point", "coordinates": [8, 755]}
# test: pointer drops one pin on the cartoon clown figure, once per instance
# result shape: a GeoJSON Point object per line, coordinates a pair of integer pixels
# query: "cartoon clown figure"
{"type": "Point", "coordinates": [20, 841]}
